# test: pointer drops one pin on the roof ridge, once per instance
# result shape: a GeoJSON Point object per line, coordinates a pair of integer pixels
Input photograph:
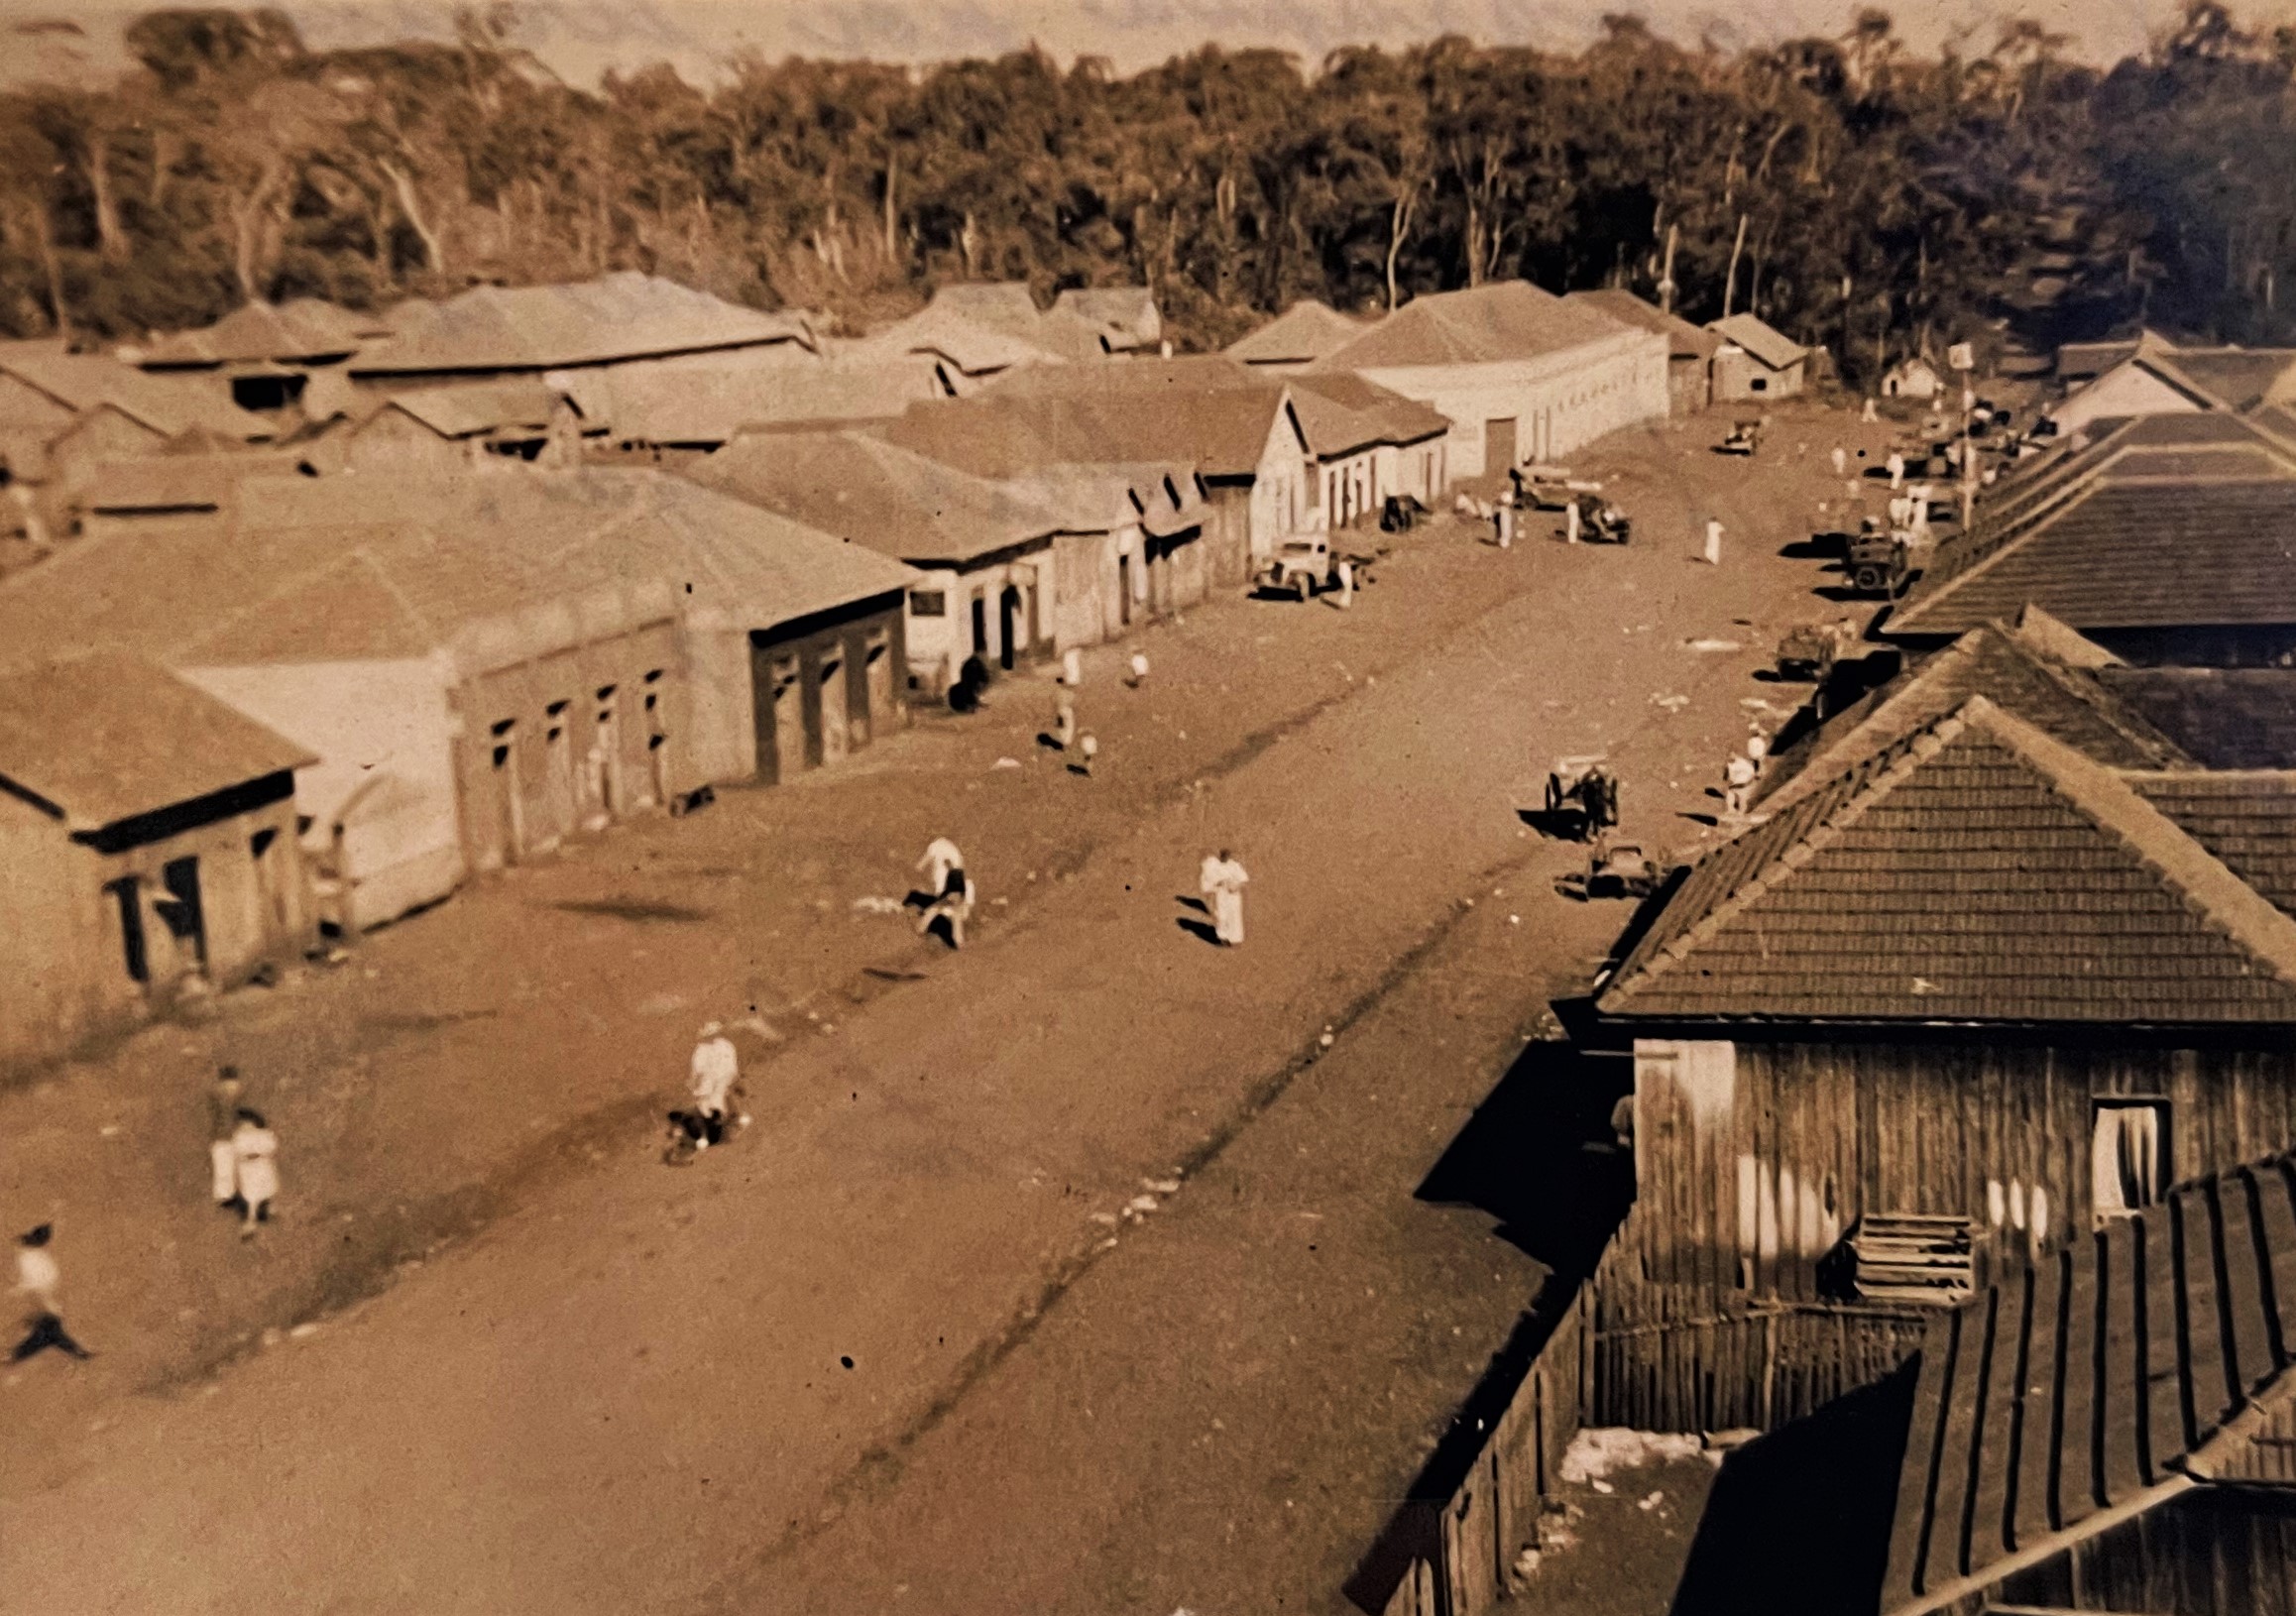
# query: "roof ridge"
{"type": "Point", "coordinates": [1910, 752]}
{"type": "Point", "coordinates": [2130, 724]}
{"type": "Point", "coordinates": [1807, 780]}
{"type": "Point", "coordinates": [2222, 899]}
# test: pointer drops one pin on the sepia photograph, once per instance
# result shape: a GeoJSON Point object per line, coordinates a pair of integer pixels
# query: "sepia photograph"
{"type": "Point", "coordinates": [1148, 808]}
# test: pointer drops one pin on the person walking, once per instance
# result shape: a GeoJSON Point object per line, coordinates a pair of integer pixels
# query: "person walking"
{"type": "Point", "coordinates": [1896, 469]}
{"type": "Point", "coordinates": [1346, 585]}
{"type": "Point", "coordinates": [1713, 543]}
{"type": "Point", "coordinates": [1089, 749]}
{"type": "Point", "coordinates": [941, 857]}
{"type": "Point", "coordinates": [1139, 669]}
{"type": "Point", "coordinates": [1737, 785]}
{"type": "Point", "coordinates": [255, 1158]}
{"type": "Point", "coordinates": [1841, 460]}
{"type": "Point", "coordinates": [715, 1072]}
{"type": "Point", "coordinates": [1222, 880]}
{"type": "Point", "coordinates": [222, 1117]}
{"type": "Point", "coordinates": [1065, 720]}
{"type": "Point", "coordinates": [36, 1280]}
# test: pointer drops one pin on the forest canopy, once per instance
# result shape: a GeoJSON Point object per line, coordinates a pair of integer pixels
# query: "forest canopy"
{"type": "Point", "coordinates": [1852, 192]}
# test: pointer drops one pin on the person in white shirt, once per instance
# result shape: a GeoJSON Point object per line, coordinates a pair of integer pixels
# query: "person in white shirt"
{"type": "Point", "coordinates": [716, 1069]}
{"type": "Point", "coordinates": [37, 1279]}
{"type": "Point", "coordinates": [1738, 785]}
{"type": "Point", "coordinates": [951, 888]}
{"type": "Point", "coordinates": [255, 1154]}
{"type": "Point", "coordinates": [1222, 882]}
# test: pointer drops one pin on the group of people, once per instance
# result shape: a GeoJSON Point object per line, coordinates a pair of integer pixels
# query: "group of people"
{"type": "Point", "coordinates": [1740, 774]}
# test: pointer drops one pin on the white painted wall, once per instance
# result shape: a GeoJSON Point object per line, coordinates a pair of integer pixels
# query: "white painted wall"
{"type": "Point", "coordinates": [1560, 401]}
{"type": "Point", "coordinates": [2126, 389]}
{"type": "Point", "coordinates": [383, 735]}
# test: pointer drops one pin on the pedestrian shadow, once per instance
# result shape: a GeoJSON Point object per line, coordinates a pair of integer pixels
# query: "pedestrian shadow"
{"type": "Point", "coordinates": [919, 900]}
{"type": "Point", "coordinates": [1198, 904]}
{"type": "Point", "coordinates": [1198, 928]}
{"type": "Point", "coordinates": [1696, 818]}
{"type": "Point", "coordinates": [1050, 742]}
{"type": "Point", "coordinates": [1081, 772]}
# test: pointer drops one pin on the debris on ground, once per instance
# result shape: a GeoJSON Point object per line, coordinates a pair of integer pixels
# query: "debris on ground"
{"type": "Point", "coordinates": [1598, 1450]}
{"type": "Point", "coordinates": [1005, 762]}
{"type": "Point", "coordinates": [877, 907]}
{"type": "Point", "coordinates": [1656, 1497]}
{"type": "Point", "coordinates": [1713, 644]}
{"type": "Point", "coordinates": [1673, 704]}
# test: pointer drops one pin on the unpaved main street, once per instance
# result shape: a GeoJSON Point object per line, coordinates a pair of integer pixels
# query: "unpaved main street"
{"type": "Point", "coordinates": [644, 1389]}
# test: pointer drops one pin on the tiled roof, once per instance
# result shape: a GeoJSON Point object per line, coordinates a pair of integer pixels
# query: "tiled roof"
{"type": "Point", "coordinates": [2236, 379]}
{"type": "Point", "coordinates": [876, 494]}
{"type": "Point", "coordinates": [2078, 361]}
{"type": "Point", "coordinates": [167, 405]}
{"type": "Point", "coordinates": [2246, 818]}
{"type": "Point", "coordinates": [1759, 338]}
{"type": "Point", "coordinates": [1685, 340]}
{"type": "Point", "coordinates": [2145, 1360]}
{"type": "Point", "coordinates": [1995, 661]}
{"type": "Point", "coordinates": [99, 739]}
{"type": "Point", "coordinates": [1305, 332]}
{"type": "Point", "coordinates": [531, 328]}
{"type": "Point", "coordinates": [1507, 319]}
{"type": "Point", "coordinates": [2125, 555]}
{"type": "Point", "coordinates": [1977, 870]}
{"type": "Point", "coordinates": [449, 560]}
{"type": "Point", "coordinates": [2226, 718]}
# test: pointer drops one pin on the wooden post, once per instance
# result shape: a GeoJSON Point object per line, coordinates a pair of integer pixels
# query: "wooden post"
{"type": "Point", "coordinates": [1667, 274]}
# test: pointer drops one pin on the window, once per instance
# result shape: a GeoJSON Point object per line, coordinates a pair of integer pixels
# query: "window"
{"type": "Point", "coordinates": [928, 602]}
{"type": "Point", "coordinates": [2128, 1156]}
{"type": "Point", "coordinates": [1760, 383]}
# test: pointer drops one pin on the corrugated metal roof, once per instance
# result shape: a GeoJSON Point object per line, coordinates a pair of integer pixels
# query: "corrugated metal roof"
{"type": "Point", "coordinates": [1977, 870]}
{"type": "Point", "coordinates": [1507, 319]}
{"type": "Point", "coordinates": [1307, 332]}
{"type": "Point", "coordinates": [1761, 339]}
{"type": "Point", "coordinates": [1341, 411]}
{"type": "Point", "coordinates": [301, 328]}
{"type": "Point", "coordinates": [2152, 1356]}
{"type": "Point", "coordinates": [691, 404]}
{"type": "Point", "coordinates": [1014, 427]}
{"type": "Point", "coordinates": [1996, 662]}
{"type": "Point", "coordinates": [100, 738]}
{"type": "Point", "coordinates": [477, 408]}
{"type": "Point", "coordinates": [627, 315]}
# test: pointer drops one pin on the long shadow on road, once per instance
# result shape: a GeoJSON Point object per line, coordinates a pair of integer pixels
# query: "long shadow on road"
{"type": "Point", "coordinates": [1542, 1156]}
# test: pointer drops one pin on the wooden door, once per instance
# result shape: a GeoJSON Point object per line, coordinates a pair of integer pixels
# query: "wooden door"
{"type": "Point", "coordinates": [1498, 445]}
{"type": "Point", "coordinates": [835, 737]}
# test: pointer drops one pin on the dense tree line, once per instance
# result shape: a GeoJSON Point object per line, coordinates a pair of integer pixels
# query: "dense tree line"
{"type": "Point", "coordinates": [1853, 194]}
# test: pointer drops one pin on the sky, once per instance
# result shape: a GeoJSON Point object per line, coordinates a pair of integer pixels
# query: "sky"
{"type": "Point", "coordinates": [582, 38]}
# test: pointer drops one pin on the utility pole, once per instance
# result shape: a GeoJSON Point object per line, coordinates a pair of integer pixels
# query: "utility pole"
{"type": "Point", "coordinates": [1962, 356]}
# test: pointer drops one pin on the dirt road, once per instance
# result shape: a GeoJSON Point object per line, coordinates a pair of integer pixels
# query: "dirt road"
{"type": "Point", "coordinates": [635, 1386]}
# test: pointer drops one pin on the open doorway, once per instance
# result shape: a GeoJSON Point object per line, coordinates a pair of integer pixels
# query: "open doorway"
{"type": "Point", "coordinates": [179, 909]}
{"type": "Point", "coordinates": [835, 735]}
{"type": "Point", "coordinates": [1008, 622]}
{"type": "Point", "coordinates": [127, 894]}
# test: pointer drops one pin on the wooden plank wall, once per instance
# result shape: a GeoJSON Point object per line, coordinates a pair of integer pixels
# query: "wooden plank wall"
{"type": "Point", "coordinates": [2214, 1552]}
{"type": "Point", "coordinates": [1472, 1538]}
{"type": "Point", "coordinates": [1747, 1371]}
{"type": "Point", "coordinates": [1754, 1159]}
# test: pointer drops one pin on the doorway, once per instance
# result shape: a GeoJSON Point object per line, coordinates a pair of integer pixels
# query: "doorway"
{"type": "Point", "coordinates": [1008, 626]}
{"type": "Point", "coordinates": [510, 824]}
{"type": "Point", "coordinates": [608, 750]}
{"type": "Point", "coordinates": [128, 894]}
{"type": "Point", "coordinates": [835, 738]}
{"type": "Point", "coordinates": [1124, 591]}
{"type": "Point", "coordinates": [180, 910]}
{"type": "Point", "coordinates": [270, 890]}
{"type": "Point", "coordinates": [980, 627]}
{"type": "Point", "coordinates": [785, 712]}
{"type": "Point", "coordinates": [1498, 445]}
{"type": "Point", "coordinates": [878, 662]}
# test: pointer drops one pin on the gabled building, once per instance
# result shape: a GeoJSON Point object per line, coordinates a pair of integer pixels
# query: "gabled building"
{"type": "Point", "coordinates": [990, 580]}
{"type": "Point", "coordinates": [1522, 375]}
{"type": "Point", "coordinates": [1976, 981]}
{"type": "Point", "coordinates": [147, 837]}
{"type": "Point", "coordinates": [1297, 338]}
{"type": "Point", "coordinates": [2155, 376]}
{"type": "Point", "coordinates": [2167, 540]}
{"type": "Point", "coordinates": [675, 410]}
{"type": "Point", "coordinates": [1690, 349]}
{"type": "Point", "coordinates": [498, 331]}
{"type": "Point", "coordinates": [1125, 318]}
{"type": "Point", "coordinates": [2033, 668]}
{"type": "Point", "coordinates": [441, 431]}
{"type": "Point", "coordinates": [1238, 432]}
{"type": "Point", "coordinates": [486, 666]}
{"type": "Point", "coordinates": [1756, 360]}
